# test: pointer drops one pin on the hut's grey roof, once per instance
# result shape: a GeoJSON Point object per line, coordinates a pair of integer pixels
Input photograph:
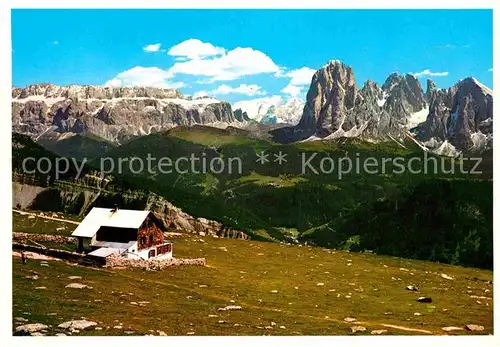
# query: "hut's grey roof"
{"type": "Point", "coordinates": [99, 217]}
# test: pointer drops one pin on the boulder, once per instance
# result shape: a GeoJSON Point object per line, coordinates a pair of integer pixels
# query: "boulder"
{"type": "Point", "coordinates": [31, 328]}
{"type": "Point", "coordinates": [474, 327]}
{"type": "Point", "coordinates": [77, 324]}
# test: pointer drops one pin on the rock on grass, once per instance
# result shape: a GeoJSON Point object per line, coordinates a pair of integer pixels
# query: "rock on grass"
{"type": "Point", "coordinates": [378, 332]}
{"type": "Point", "coordinates": [230, 308]}
{"type": "Point", "coordinates": [451, 328]}
{"type": "Point", "coordinates": [31, 328]}
{"type": "Point", "coordinates": [77, 324]}
{"type": "Point", "coordinates": [78, 286]}
{"type": "Point", "coordinates": [357, 328]}
{"type": "Point", "coordinates": [474, 327]}
{"type": "Point", "coordinates": [75, 277]}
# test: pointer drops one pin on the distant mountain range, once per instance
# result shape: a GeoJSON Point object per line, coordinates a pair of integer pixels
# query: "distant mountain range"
{"type": "Point", "coordinates": [272, 110]}
{"type": "Point", "coordinates": [447, 121]}
{"type": "Point", "coordinates": [115, 114]}
{"type": "Point", "coordinates": [459, 118]}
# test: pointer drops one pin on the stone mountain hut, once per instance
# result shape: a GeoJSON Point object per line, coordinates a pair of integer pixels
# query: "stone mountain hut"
{"type": "Point", "coordinates": [129, 233]}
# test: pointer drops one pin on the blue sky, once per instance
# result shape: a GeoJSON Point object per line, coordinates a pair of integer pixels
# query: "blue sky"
{"type": "Point", "coordinates": [247, 54]}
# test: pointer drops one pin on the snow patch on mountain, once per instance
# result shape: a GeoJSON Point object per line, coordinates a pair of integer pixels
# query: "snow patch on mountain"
{"type": "Point", "coordinates": [48, 100]}
{"type": "Point", "coordinates": [353, 132]}
{"type": "Point", "coordinates": [480, 141]}
{"type": "Point", "coordinates": [417, 117]}
{"type": "Point", "coordinates": [256, 109]}
{"type": "Point", "coordinates": [381, 102]}
{"type": "Point", "coordinates": [272, 110]}
{"type": "Point", "coordinates": [447, 149]}
{"type": "Point", "coordinates": [199, 103]}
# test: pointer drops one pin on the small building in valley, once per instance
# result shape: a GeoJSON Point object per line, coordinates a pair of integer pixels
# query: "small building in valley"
{"type": "Point", "coordinates": [128, 233]}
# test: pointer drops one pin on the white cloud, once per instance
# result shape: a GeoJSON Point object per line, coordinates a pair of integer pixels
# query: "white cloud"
{"type": "Point", "coordinates": [300, 77]}
{"type": "Point", "coordinates": [247, 89]}
{"type": "Point", "coordinates": [224, 89]}
{"type": "Point", "coordinates": [490, 70]}
{"type": "Point", "coordinates": [195, 49]}
{"type": "Point", "coordinates": [229, 66]}
{"type": "Point", "coordinates": [143, 76]}
{"type": "Point", "coordinates": [292, 91]}
{"type": "Point", "coordinates": [152, 48]}
{"type": "Point", "coordinates": [428, 72]}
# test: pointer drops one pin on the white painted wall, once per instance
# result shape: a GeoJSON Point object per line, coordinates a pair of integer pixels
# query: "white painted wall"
{"type": "Point", "coordinates": [144, 253]}
{"type": "Point", "coordinates": [132, 251]}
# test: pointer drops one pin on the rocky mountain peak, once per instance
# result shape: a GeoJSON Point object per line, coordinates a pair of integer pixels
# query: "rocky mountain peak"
{"type": "Point", "coordinates": [332, 93]}
{"type": "Point", "coordinates": [431, 88]}
{"type": "Point", "coordinates": [461, 116]}
{"type": "Point", "coordinates": [392, 80]}
{"type": "Point", "coordinates": [372, 91]}
{"type": "Point", "coordinates": [405, 95]}
{"type": "Point", "coordinates": [241, 115]}
{"type": "Point", "coordinates": [472, 85]}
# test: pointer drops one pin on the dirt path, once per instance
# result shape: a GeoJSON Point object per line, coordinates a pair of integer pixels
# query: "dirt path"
{"type": "Point", "coordinates": [46, 217]}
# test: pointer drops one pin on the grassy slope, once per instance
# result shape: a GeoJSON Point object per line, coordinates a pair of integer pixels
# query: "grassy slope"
{"type": "Point", "coordinates": [78, 146]}
{"type": "Point", "coordinates": [247, 272]}
{"type": "Point", "coordinates": [38, 225]}
{"type": "Point", "coordinates": [266, 199]}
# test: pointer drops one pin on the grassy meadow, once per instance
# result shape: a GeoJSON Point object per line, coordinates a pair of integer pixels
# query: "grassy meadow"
{"type": "Point", "coordinates": [282, 290]}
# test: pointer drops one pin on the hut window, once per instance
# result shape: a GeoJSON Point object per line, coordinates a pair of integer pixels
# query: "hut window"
{"type": "Point", "coordinates": [150, 238]}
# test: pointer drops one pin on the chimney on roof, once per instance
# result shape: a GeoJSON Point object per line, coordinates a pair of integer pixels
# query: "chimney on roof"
{"type": "Point", "coordinates": [114, 209]}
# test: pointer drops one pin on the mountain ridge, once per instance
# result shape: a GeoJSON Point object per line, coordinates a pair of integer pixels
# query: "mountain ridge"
{"type": "Point", "coordinates": [335, 107]}
{"type": "Point", "coordinates": [115, 114]}
{"type": "Point", "coordinates": [450, 121]}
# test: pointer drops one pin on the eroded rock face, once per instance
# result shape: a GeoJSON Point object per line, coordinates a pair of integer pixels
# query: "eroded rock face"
{"type": "Point", "coordinates": [241, 115]}
{"type": "Point", "coordinates": [335, 107]}
{"type": "Point", "coordinates": [459, 118]}
{"type": "Point", "coordinates": [115, 114]}
{"type": "Point", "coordinates": [405, 97]}
{"type": "Point", "coordinates": [461, 115]}
{"type": "Point", "coordinates": [174, 218]}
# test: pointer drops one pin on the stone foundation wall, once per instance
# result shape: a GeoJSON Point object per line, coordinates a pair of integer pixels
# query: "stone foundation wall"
{"type": "Point", "coordinates": [111, 261]}
{"type": "Point", "coordinates": [23, 237]}
{"type": "Point", "coordinates": [152, 264]}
